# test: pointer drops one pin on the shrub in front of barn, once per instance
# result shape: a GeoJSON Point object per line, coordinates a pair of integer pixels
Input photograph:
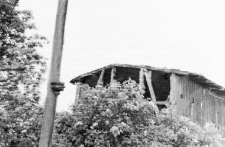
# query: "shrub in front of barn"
{"type": "Point", "coordinates": [121, 117]}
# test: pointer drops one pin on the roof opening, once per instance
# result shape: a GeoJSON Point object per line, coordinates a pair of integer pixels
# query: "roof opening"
{"type": "Point", "coordinates": [147, 92]}
{"type": "Point", "coordinates": [107, 77]}
{"type": "Point", "coordinates": [123, 74]}
{"type": "Point", "coordinates": [91, 80]}
{"type": "Point", "coordinates": [161, 85]}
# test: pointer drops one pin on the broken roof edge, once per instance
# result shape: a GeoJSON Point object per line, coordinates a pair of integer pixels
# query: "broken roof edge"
{"type": "Point", "coordinates": [175, 71]}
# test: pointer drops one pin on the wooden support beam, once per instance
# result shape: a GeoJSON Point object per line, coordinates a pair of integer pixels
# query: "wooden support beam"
{"type": "Point", "coordinates": [166, 103]}
{"type": "Point", "coordinates": [54, 75]}
{"type": "Point", "coordinates": [174, 94]}
{"type": "Point", "coordinates": [113, 74]}
{"type": "Point", "coordinates": [141, 81]}
{"type": "Point", "coordinates": [154, 107]}
{"type": "Point", "coordinates": [100, 80]}
{"type": "Point", "coordinates": [113, 82]}
{"type": "Point", "coordinates": [148, 75]}
{"type": "Point", "coordinates": [77, 92]}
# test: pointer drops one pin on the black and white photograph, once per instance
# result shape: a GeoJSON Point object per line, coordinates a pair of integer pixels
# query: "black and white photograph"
{"type": "Point", "coordinates": [112, 73]}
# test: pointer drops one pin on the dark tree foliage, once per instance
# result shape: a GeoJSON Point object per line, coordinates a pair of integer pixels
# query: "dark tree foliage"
{"type": "Point", "coordinates": [21, 71]}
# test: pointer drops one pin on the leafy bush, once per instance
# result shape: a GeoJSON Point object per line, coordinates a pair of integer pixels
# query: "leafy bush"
{"type": "Point", "coordinates": [21, 72]}
{"type": "Point", "coordinates": [106, 117]}
{"type": "Point", "coordinates": [21, 131]}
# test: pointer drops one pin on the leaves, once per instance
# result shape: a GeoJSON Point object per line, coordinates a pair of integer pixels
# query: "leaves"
{"type": "Point", "coordinates": [20, 78]}
{"type": "Point", "coordinates": [121, 117]}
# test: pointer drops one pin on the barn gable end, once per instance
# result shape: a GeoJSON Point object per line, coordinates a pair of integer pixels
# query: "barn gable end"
{"type": "Point", "coordinates": [190, 99]}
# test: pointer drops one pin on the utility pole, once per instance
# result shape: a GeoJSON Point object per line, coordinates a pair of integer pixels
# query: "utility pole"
{"type": "Point", "coordinates": [54, 86]}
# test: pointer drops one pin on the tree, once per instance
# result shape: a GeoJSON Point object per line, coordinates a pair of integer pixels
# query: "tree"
{"type": "Point", "coordinates": [22, 69]}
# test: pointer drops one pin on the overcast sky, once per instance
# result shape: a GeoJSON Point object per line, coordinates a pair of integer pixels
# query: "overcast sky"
{"type": "Point", "coordinates": [184, 34]}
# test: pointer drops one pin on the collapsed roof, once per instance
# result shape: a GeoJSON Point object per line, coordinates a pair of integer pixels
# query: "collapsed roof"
{"type": "Point", "coordinates": [200, 79]}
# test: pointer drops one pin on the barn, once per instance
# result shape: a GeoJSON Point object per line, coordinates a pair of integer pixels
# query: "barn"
{"type": "Point", "coordinates": [188, 94]}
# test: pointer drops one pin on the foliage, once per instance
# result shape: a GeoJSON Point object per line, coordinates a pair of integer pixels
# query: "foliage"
{"type": "Point", "coordinates": [21, 127]}
{"type": "Point", "coordinates": [215, 136]}
{"type": "Point", "coordinates": [18, 51]}
{"type": "Point", "coordinates": [21, 70]}
{"type": "Point", "coordinates": [106, 117]}
{"type": "Point", "coordinates": [113, 115]}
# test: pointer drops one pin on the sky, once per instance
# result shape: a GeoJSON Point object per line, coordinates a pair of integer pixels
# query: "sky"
{"type": "Point", "coordinates": [180, 34]}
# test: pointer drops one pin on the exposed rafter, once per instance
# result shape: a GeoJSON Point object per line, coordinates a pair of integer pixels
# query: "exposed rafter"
{"type": "Point", "coordinates": [200, 79]}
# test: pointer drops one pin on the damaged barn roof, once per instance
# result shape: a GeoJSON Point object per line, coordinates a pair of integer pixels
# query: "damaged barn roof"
{"type": "Point", "coordinates": [200, 79]}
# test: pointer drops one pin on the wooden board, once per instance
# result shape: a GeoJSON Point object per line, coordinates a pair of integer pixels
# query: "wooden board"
{"type": "Point", "coordinates": [100, 80]}
{"type": "Point", "coordinates": [148, 75]}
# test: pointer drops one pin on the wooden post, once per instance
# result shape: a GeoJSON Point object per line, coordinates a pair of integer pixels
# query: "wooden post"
{"type": "Point", "coordinates": [174, 94]}
{"type": "Point", "coordinates": [113, 82]}
{"type": "Point", "coordinates": [77, 93]}
{"type": "Point", "coordinates": [100, 80]}
{"type": "Point", "coordinates": [54, 75]}
{"type": "Point", "coordinates": [113, 74]}
{"type": "Point", "coordinates": [141, 81]}
{"type": "Point", "coordinates": [148, 75]}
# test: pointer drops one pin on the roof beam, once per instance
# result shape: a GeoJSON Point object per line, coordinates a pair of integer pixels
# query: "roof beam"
{"type": "Point", "coordinates": [148, 75]}
{"type": "Point", "coordinates": [100, 80]}
{"type": "Point", "coordinates": [113, 74]}
{"type": "Point", "coordinates": [141, 81]}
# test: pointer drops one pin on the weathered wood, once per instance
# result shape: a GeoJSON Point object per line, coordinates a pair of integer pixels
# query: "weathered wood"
{"type": "Point", "coordinates": [130, 66]}
{"type": "Point", "coordinates": [220, 116]}
{"type": "Point", "coordinates": [216, 113]}
{"type": "Point", "coordinates": [179, 100]}
{"type": "Point", "coordinates": [113, 74]}
{"type": "Point", "coordinates": [220, 98]}
{"type": "Point", "coordinates": [100, 80]}
{"type": "Point", "coordinates": [148, 75]}
{"type": "Point", "coordinates": [223, 115]}
{"type": "Point", "coordinates": [196, 104]}
{"type": "Point", "coordinates": [166, 103]}
{"type": "Point", "coordinates": [201, 109]}
{"type": "Point", "coordinates": [173, 93]}
{"type": "Point", "coordinates": [154, 107]}
{"type": "Point", "coordinates": [54, 75]}
{"type": "Point", "coordinates": [203, 99]}
{"type": "Point", "coordinates": [189, 97]}
{"type": "Point", "coordinates": [213, 114]}
{"type": "Point", "coordinates": [208, 109]}
{"type": "Point", "coordinates": [77, 96]}
{"type": "Point", "coordinates": [141, 81]}
{"type": "Point", "coordinates": [192, 108]}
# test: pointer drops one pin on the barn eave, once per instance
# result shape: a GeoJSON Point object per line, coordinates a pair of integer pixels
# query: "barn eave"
{"type": "Point", "coordinates": [200, 79]}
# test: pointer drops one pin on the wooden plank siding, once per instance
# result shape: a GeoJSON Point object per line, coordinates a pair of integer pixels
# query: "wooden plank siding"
{"type": "Point", "coordinates": [77, 95]}
{"type": "Point", "coordinates": [190, 99]}
{"type": "Point", "coordinates": [223, 114]}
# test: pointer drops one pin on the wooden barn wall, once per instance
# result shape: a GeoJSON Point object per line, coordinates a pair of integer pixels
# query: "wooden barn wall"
{"type": "Point", "coordinates": [192, 100]}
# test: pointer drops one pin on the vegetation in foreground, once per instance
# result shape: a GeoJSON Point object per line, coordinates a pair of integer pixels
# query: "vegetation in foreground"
{"type": "Point", "coordinates": [103, 117]}
{"type": "Point", "coordinates": [121, 117]}
{"type": "Point", "coordinates": [21, 71]}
